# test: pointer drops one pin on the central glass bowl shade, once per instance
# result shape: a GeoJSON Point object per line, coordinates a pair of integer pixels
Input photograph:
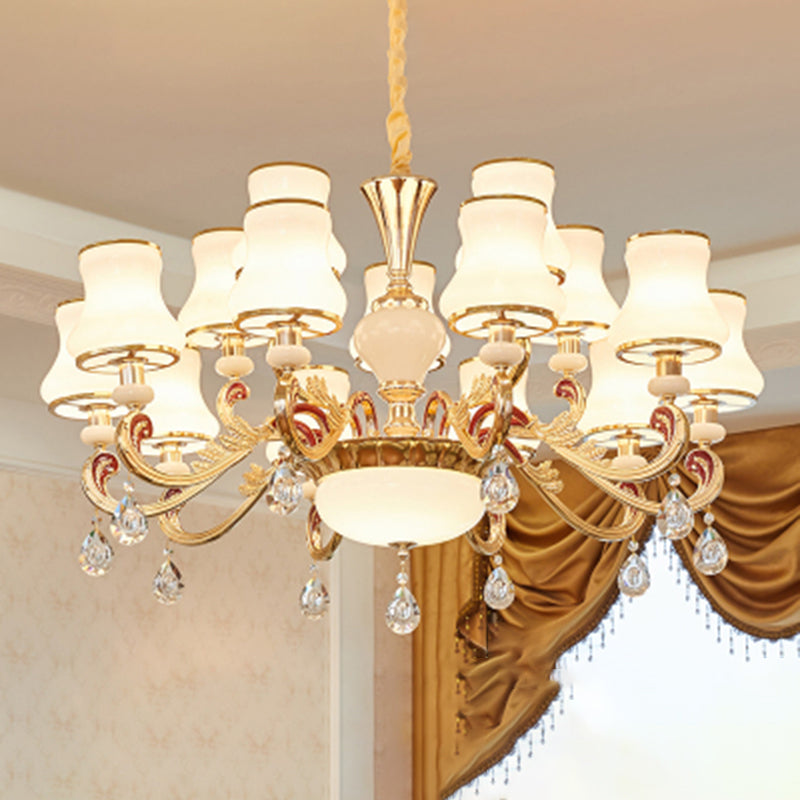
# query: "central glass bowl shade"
{"type": "Point", "coordinates": [385, 505]}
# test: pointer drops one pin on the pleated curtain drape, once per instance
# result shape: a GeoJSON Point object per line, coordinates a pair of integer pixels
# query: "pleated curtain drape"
{"type": "Point", "coordinates": [482, 679]}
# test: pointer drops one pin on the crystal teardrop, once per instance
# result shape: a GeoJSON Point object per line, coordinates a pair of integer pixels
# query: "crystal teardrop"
{"type": "Point", "coordinates": [284, 490]}
{"type": "Point", "coordinates": [499, 489]}
{"type": "Point", "coordinates": [96, 553]}
{"type": "Point", "coordinates": [402, 613]}
{"type": "Point", "coordinates": [128, 523]}
{"type": "Point", "coordinates": [710, 553]}
{"type": "Point", "coordinates": [314, 599]}
{"type": "Point", "coordinates": [498, 591]}
{"type": "Point", "coordinates": [634, 577]}
{"type": "Point", "coordinates": [168, 583]}
{"type": "Point", "coordinates": [675, 518]}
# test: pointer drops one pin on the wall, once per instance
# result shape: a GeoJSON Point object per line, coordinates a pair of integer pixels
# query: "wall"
{"type": "Point", "coordinates": [106, 693]}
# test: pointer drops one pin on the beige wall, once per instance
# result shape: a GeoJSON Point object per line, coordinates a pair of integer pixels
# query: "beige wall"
{"type": "Point", "coordinates": [104, 693]}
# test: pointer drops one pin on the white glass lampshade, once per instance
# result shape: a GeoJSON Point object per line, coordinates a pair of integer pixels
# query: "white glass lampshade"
{"type": "Point", "coordinates": [502, 271]}
{"type": "Point", "coordinates": [179, 413]}
{"type": "Point", "coordinates": [733, 380]}
{"type": "Point", "coordinates": [531, 178]}
{"type": "Point", "coordinates": [668, 308]}
{"type": "Point", "coordinates": [338, 383]}
{"type": "Point", "coordinates": [423, 280]}
{"type": "Point", "coordinates": [67, 390]}
{"type": "Point", "coordinates": [287, 276]}
{"type": "Point", "coordinates": [386, 505]}
{"type": "Point", "coordinates": [205, 314]}
{"type": "Point", "coordinates": [618, 400]}
{"type": "Point", "coordinates": [123, 312]}
{"type": "Point", "coordinates": [287, 180]}
{"type": "Point", "coordinates": [590, 308]}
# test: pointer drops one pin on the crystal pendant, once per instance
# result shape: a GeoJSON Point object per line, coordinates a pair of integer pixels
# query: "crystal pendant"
{"type": "Point", "coordinates": [499, 489]}
{"type": "Point", "coordinates": [284, 490]}
{"type": "Point", "coordinates": [633, 578]}
{"type": "Point", "coordinates": [498, 591]}
{"type": "Point", "coordinates": [128, 523]}
{"type": "Point", "coordinates": [96, 553]}
{"type": "Point", "coordinates": [314, 599]}
{"type": "Point", "coordinates": [675, 518]}
{"type": "Point", "coordinates": [168, 583]}
{"type": "Point", "coordinates": [710, 553]}
{"type": "Point", "coordinates": [402, 613]}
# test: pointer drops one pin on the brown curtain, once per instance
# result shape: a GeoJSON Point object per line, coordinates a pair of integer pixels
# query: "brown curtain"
{"type": "Point", "coordinates": [481, 680]}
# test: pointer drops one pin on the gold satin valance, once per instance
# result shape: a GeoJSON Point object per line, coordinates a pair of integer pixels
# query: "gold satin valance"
{"type": "Point", "coordinates": [469, 710]}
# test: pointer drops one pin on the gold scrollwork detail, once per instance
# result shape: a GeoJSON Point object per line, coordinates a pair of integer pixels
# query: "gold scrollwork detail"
{"type": "Point", "coordinates": [318, 550]}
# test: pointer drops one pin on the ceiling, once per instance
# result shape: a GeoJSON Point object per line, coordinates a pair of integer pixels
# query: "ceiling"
{"type": "Point", "coordinates": [656, 115]}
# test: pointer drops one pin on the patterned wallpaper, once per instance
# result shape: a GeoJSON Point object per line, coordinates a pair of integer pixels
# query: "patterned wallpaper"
{"type": "Point", "coordinates": [107, 694]}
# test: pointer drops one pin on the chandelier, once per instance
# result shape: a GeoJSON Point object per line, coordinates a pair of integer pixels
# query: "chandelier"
{"type": "Point", "coordinates": [425, 468]}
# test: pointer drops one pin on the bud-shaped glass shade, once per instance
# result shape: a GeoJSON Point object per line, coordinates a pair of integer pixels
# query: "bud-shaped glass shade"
{"type": "Point", "coordinates": [178, 412]}
{"type": "Point", "coordinates": [205, 314]}
{"type": "Point", "coordinates": [733, 380]}
{"type": "Point", "coordinates": [618, 400]}
{"type": "Point", "coordinates": [124, 313]}
{"type": "Point", "coordinates": [668, 308]}
{"type": "Point", "coordinates": [590, 308]}
{"type": "Point", "coordinates": [287, 278]}
{"type": "Point", "coordinates": [531, 178]}
{"type": "Point", "coordinates": [68, 391]}
{"type": "Point", "coordinates": [423, 279]}
{"type": "Point", "coordinates": [286, 180]}
{"type": "Point", "coordinates": [502, 272]}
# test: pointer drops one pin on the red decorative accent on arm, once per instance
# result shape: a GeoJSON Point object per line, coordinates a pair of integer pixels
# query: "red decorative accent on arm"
{"type": "Point", "coordinates": [700, 463]}
{"type": "Point", "coordinates": [362, 400]}
{"type": "Point", "coordinates": [141, 428]}
{"type": "Point", "coordinates": [104, 465]}
{"type": "Point", "coordinates": [663, 420]}
{"type": "Point", "coordinates": [436, 401]}
{"type": "Point", "coordinates": [479, 416]}
{"type": "Point", "coordinates": [633, 488]}
{"type": "Point", "coordinates": [515, 454]}
{"type": "Point", "coordinates": [519, 417]}
{"type": "Point", "coordinates": [314, 411]}
{"type": "Point", "coordinates": [235, 392]}
{"type": "Point", "coordinates": [566, 390]}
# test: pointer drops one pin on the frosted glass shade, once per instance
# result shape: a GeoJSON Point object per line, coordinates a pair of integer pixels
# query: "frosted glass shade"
{"type": "Point", "coordinates": [386, 505]}
{"type": "Point", "coordinates": [178, 412]}
{"type": "Point", "coordinates": [423, 280]}
{"type": "Point", "coordinates": [668, 307]}
{"type": "Point", "coordinates": [205, 314]}
{"type": "Point", "coordinates": [286, 180]}
{"type": "Point", "coordinates": [732, 379]}
{"type": "Point", "coordinates": [67, 390]}
{"type": "Point", "coordinates": [399, 344]}
{"type": "Point", "coordinates": [287, 277]}
{"type": "Point", "coordinates": [590, 309]}
{"type": "Point", "coordinates": [123, 310]}
{"type": "Point", "coordinates": [531, 178]}
{"type": "Point", "coordinates": [502, 270]}
{"type": "Point", "coordinates": [618, 400]}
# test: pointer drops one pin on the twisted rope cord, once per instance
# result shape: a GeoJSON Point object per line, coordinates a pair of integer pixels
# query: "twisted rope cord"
{"type": "Point", "coordinates": [398, 125]}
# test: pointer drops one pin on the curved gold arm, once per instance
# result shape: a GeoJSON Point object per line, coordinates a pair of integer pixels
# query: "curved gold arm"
{"type": "Point", "coordinates": [437, 401]}
{"type": "Point", "coordinates": [238, 428]}
{"type": "Point", "coordinates": [633, 518]}
{"type": "Point", "coordinates": [489, 535]}
{"type": "Point", "coordinates": [100, 467]}
{"type": "Point", "coordinates": [171, 525]}
{"type": "Point", "coordinates": [476, 441]}
{"type": "Point", "coordinates": [705, 464]}
{"type": "Point", "coordinates": [315, 400]}
{"type": "Point", "coordinates": [668, 419]}
{"type": "Point", "coordinates": [363, 402]}
{"type": "Point", "coordinates": [318, 550]}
